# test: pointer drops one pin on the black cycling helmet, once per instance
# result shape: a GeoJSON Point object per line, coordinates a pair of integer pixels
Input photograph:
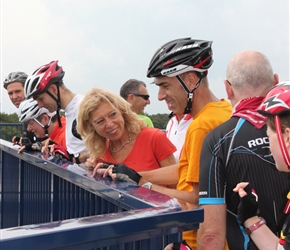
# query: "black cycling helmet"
{"type": "Point", "coordinates": [40, 80]}
{"type": "Point", "coordinates": [17, 76]}
{"type": "Point", "coordinates": [180, 56]}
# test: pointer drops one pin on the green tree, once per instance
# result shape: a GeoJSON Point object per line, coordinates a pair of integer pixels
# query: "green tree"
{"type": "Point", "coordinates": [159, 120]}
{"type": "Point", "coordinates": [9, 126]}
{"type": "Point", "coordinates": [12, 118]}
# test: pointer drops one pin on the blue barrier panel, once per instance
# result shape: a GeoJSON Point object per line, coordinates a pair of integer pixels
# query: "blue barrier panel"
{"type": "Point", "coordinates": [55, 205]}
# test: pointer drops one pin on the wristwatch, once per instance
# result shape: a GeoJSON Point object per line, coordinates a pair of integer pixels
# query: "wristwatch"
{"type": "Point", "coordinates": [77, 158]}
{"type": "Point", "coordinates": [147, 185]}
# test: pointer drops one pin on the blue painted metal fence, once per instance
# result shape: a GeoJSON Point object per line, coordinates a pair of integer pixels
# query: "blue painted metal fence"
{"type": "Point", "coordinates": [55, 205]}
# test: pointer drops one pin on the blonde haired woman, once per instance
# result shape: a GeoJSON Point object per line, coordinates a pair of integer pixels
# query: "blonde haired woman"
{"type": "Point", "coordinates": [113, 133]}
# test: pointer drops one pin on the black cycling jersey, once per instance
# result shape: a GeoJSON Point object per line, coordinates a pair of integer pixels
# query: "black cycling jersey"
{"type": "Point", "coordinates": [234, 152]}
{"type": "Point", "coordinates": [287, 244]}
{"type": "Point", "coordinates": [286, 232]}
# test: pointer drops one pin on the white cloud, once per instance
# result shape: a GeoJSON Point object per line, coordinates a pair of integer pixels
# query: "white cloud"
{"type": "Point", "coordinates": [103, 43]}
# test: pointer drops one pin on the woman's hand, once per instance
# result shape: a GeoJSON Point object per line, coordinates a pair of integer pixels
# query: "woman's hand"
{"type": "Point", "coordinates": [103, 169]}
{"type": "Point", "coordinates": [92, 162]}
{"type": "Point", "coordinates": [118, 172]}
{"type": "Point", "coordinates": [240, 188]}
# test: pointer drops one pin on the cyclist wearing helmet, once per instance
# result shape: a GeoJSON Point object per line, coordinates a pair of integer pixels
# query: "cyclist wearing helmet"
{"type": "Point", "coordinates": [276, 107]}
{"type": "Point", "coordinates": [42, 123]}
{"type": "Point", "coordinates": [180, 71]}
{"type": "Point", "coordinates": [46, 86]}
{"type": "Point", "coordinates": [14, 84]}
{"type": "Point", "coordinates": [238, 150]}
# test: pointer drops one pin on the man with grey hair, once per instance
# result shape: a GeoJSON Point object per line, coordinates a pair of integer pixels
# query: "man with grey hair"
{"type": "Point", "coordinates": [238, 151]}
{"type": "Point", "coordinates": [14, 84]}
{"type": "Point", "coordinates": [135, 93]}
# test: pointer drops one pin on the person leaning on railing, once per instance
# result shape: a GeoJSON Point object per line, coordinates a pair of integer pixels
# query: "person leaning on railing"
{"type": "Point", "coordinates": [45, 127]}
{"type": "Point", "coordinates": [114, 133]}
{"type": "Point", "coordinates": [46, 86]}
{"type": "Point", "coordinates": [180, 68]}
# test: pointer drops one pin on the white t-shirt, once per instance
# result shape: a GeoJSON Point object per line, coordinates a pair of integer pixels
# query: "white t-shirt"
{"type": "Point", "coordinates": [73, 141]}
{"type": "Point", "coordinates": [176, 131]}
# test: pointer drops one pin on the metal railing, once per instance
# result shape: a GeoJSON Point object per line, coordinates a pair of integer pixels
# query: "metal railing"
{"type": "Point", "coordinates": [55, 205]}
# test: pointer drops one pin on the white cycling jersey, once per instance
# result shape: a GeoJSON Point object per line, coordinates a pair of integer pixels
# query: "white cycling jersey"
{"type": "Point", "coordinates": [176, 131]}
{"type": "Point", "coordinates": [74, 142]}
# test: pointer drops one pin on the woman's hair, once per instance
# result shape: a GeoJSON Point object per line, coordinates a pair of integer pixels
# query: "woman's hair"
{"type": "Point", "coordinates": [93, 100]}
{"type": "Point", "coordinates": [284, 121]}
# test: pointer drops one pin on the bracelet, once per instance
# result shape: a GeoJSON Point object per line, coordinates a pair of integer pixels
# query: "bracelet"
{"type": "Point", "coordinates": [255, 226]}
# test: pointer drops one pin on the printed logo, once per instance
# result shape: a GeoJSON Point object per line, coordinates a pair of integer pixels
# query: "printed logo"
{"type": "Point", "coordinates": [258, 142]}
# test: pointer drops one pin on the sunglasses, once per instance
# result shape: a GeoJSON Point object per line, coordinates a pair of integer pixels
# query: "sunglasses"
{"type": "Point", "coordinates": [145, 97]}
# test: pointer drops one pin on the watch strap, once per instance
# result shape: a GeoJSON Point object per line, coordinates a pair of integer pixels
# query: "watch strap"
{"type": "Point", "coordinates": [147, 185]}
{"type": "Point", "coordinates": [255, 226]}
{"type": "Point", "coordinates": [77, 158]}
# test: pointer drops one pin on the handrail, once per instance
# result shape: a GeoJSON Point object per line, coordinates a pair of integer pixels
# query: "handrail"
{"type": "Point", "coordinates": [129, 215]}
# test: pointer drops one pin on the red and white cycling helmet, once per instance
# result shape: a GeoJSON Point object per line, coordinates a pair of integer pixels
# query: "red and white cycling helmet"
{"type": "Point", "coordinates": [277, 100]}
{"type": "Point", "coordinates": [39, 81]}
{"type": "Point", "coordinates": [276, 103]}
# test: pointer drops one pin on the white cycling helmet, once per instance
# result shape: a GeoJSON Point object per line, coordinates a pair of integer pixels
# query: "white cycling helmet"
{"type": "Point", "coordinates": [29, 110]}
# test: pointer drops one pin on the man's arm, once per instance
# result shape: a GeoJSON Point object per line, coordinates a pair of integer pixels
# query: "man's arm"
{"type": "Point", "coordinates": [84, 155]}
{"type": "Point", "coordinates": [153, 176]}
{"type": "Point", "coordinates": [212, 232]}
{"type": "Point", "coordinates": [80, 157]}
{"type": "Point", "coordinates": [161, 176]}
{"type": "Point", "coordinates": [186, 196]}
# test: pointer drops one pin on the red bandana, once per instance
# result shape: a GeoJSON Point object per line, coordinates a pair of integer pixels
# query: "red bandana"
{"type": "Point", "coordinates": [247, 108]}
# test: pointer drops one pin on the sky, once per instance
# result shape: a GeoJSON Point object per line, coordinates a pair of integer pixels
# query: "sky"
{"type": "Point", "coordinates": [103, 43]}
